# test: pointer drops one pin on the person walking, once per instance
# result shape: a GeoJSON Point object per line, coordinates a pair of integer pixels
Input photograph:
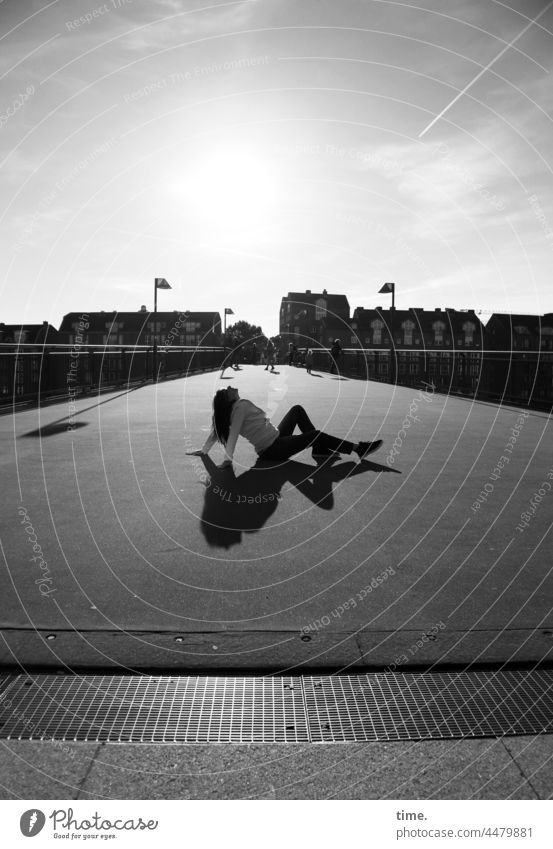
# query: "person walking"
{"type": "Point", "coordinates": [234, 416]}
{"type": "Point", "coordinates": [309, 360]}
{"type": "Point", "coordinates": [270, 355]}
{"type": "Point", "coordinates": [335, 354]}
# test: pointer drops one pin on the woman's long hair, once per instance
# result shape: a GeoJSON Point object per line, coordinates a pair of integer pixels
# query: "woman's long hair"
{"type": "Point", "coordinates": [222, 409]}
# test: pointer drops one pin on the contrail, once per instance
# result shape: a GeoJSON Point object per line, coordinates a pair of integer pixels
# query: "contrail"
{"type": "Point", "coordinates": [483, 71]}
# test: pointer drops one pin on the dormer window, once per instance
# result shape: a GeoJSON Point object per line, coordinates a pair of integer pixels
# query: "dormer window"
{"type": "Point", "coordinates": [408, 327]}
{"type": "Point", "coordinates": [377, 326]}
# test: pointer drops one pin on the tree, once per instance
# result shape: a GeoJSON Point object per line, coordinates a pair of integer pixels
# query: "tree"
{"type": "Point", "coordinates": [242, 332]}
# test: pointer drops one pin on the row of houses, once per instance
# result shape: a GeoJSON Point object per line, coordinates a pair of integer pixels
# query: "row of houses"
{"type": "Point", "coordinates": [510, 358]}
{"type": "Point", "coordinates": [316, 319]}
{"type": "Point", "coordinates": [125, 329]}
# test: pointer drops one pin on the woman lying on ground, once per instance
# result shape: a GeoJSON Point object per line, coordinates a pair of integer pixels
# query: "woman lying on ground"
{"type": "Point", "coordinates": [234, 416]}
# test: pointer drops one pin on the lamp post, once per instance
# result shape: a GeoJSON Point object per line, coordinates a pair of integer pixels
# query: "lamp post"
{"type": "Point", "coordinates": [227, 311]}
{"type": "Point", "coordinates": [390, 289]}
{"type": "Point", "coordinates": [159, 283]}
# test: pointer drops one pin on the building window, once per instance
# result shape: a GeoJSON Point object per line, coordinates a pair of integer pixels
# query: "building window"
{"type": "Point", "coordinates": [377, 331]}
{"type": "Point", "coordinates": [547, 338]}
{"type": "Point", "coordinates": [469, 329]}
{"type": "Point", "coordinates": [408, 328]}
{"type": "Point", "coordinates": [438, 328]}
{"type": "Point", "coordinates": [320, 309]}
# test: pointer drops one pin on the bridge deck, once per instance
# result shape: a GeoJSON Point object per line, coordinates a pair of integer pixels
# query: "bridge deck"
{"type": "Point", "coordinates": [374, 563]}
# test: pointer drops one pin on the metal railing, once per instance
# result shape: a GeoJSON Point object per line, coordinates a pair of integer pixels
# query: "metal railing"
{"type": "Point", "coordinates": [503, 376]}
{"type": "Point", "coordinates": [29, 372]}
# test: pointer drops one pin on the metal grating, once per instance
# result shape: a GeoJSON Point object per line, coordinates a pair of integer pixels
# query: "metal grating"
{"type": "Point", "coordinates": [428, 706]}
{"type": "Point", "coordinates": [148, 709]}
{"type": "Point", "coordinates": [321, 709]}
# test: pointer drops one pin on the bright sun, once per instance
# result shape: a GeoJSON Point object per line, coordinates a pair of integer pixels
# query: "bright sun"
{"type": "Point", "coordinates": [232, 189]}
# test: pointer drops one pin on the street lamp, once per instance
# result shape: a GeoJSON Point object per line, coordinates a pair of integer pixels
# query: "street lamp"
{"type": "Point", "coordinates": [390, 289]}
{"type": "Point", "coordinates": [159, 283]}
{"type": "Point", "coordinates": [227, 311]}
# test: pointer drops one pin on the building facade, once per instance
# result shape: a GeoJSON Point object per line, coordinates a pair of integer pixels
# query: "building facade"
{"type": "Point", "coordinates": [140, 328]}
{"type": "Point", "coordinates": [314, 319]}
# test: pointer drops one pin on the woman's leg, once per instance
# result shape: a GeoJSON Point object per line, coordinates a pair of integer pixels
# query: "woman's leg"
{"type": "Point", "coordinates": [296, 415]}
{"type": "Point", "coordinates": [320, 441]}
{"type": "Point", "coordinates": [285, 447]}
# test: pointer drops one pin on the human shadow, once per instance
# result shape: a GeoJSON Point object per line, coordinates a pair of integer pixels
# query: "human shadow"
{"type": "Point", "coordinates": [242, 505]}
{"type": "Point", "coordinates": [67, 423]}
{"type": "Point", "coordinates": [55, 428]}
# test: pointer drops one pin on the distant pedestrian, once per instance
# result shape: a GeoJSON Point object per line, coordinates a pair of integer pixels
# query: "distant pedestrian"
{"type": "Point", "coordinates": [270, 356]}
{"type": "Point", "coordinates": [335, 354]}
{"type": "Point", "coordinates": [309, 360]}
{"type": "Point", "coordinates": [291, 352]}
{"type": "Point", "coordinates": [253, 353]}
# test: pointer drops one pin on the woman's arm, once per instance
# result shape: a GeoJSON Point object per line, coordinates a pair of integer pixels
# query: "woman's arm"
{"type": "Point", "coordinates": [210, 441]}
{"type": "Point", "coordinates": [237, 419]}
{"type": "Point", "coordinates": [207, 446]}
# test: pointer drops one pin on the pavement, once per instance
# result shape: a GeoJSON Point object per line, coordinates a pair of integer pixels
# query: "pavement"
{"type": "Point", "coordinates": [504, 768]}
{"type": "Point", "coordinates": [122, 551]}
{"type": "Point", "coordinates": [145, 558]}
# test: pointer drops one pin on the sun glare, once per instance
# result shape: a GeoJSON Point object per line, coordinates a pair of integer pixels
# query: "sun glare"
{"type": "Point", "coordinates": [232, 190]}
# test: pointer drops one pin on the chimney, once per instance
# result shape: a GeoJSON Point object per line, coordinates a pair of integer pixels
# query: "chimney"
{"type": "Point", "coordinates": [437, 309]}
{"type": "Point", "coordinates": [308, 291]}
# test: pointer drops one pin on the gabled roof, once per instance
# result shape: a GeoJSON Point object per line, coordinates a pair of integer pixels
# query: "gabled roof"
{"type": "Point", "coordinates": [36, 333]}
{"type": "Point", "coordinates": [506, 322]}
{"type": "Point", "coordinates": [132, 321]}
{"type": "Point", "coordinates": [335, 303]}
{"type": "Point", "coordinates": [423, 320]}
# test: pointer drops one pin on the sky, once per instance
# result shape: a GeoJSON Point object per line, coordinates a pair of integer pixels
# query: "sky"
{"type": "Point", "coordinates": [246, 149]}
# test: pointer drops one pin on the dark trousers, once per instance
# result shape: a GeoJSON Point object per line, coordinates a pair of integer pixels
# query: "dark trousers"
{"type": "Point", "coordinates": [286, 445]}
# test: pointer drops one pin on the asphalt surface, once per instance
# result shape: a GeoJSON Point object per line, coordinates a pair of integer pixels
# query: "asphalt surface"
{"type": "Point", "coordinates": [506, 768]}
{"type": "Point", "coordinates": [146, 557]}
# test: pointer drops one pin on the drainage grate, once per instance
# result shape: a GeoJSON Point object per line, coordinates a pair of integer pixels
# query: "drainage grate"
{"type": "Point", "coordinates": [322, 709]}
{"type": "Point", "coordinates": [156, 710]}
{"type": "Point", "coordinates": [428, 706]}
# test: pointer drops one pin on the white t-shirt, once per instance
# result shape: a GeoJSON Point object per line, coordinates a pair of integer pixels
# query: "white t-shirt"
{"type": "Point", "coordinates": [248, 421]}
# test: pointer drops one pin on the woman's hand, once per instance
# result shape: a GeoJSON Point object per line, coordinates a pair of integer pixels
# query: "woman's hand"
{"type": "Point", "coordinates": [197, 453]}
{"type": "Point", "coordinates": [225, 464]}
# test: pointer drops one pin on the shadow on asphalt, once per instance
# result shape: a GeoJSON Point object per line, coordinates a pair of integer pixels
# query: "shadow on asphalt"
{"type": "Point", "coordinates": [61, 425]}
{"type": "Point", "coordinates": [242, 505]}
{"type": "Point", "coordinates": [55, 428]}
